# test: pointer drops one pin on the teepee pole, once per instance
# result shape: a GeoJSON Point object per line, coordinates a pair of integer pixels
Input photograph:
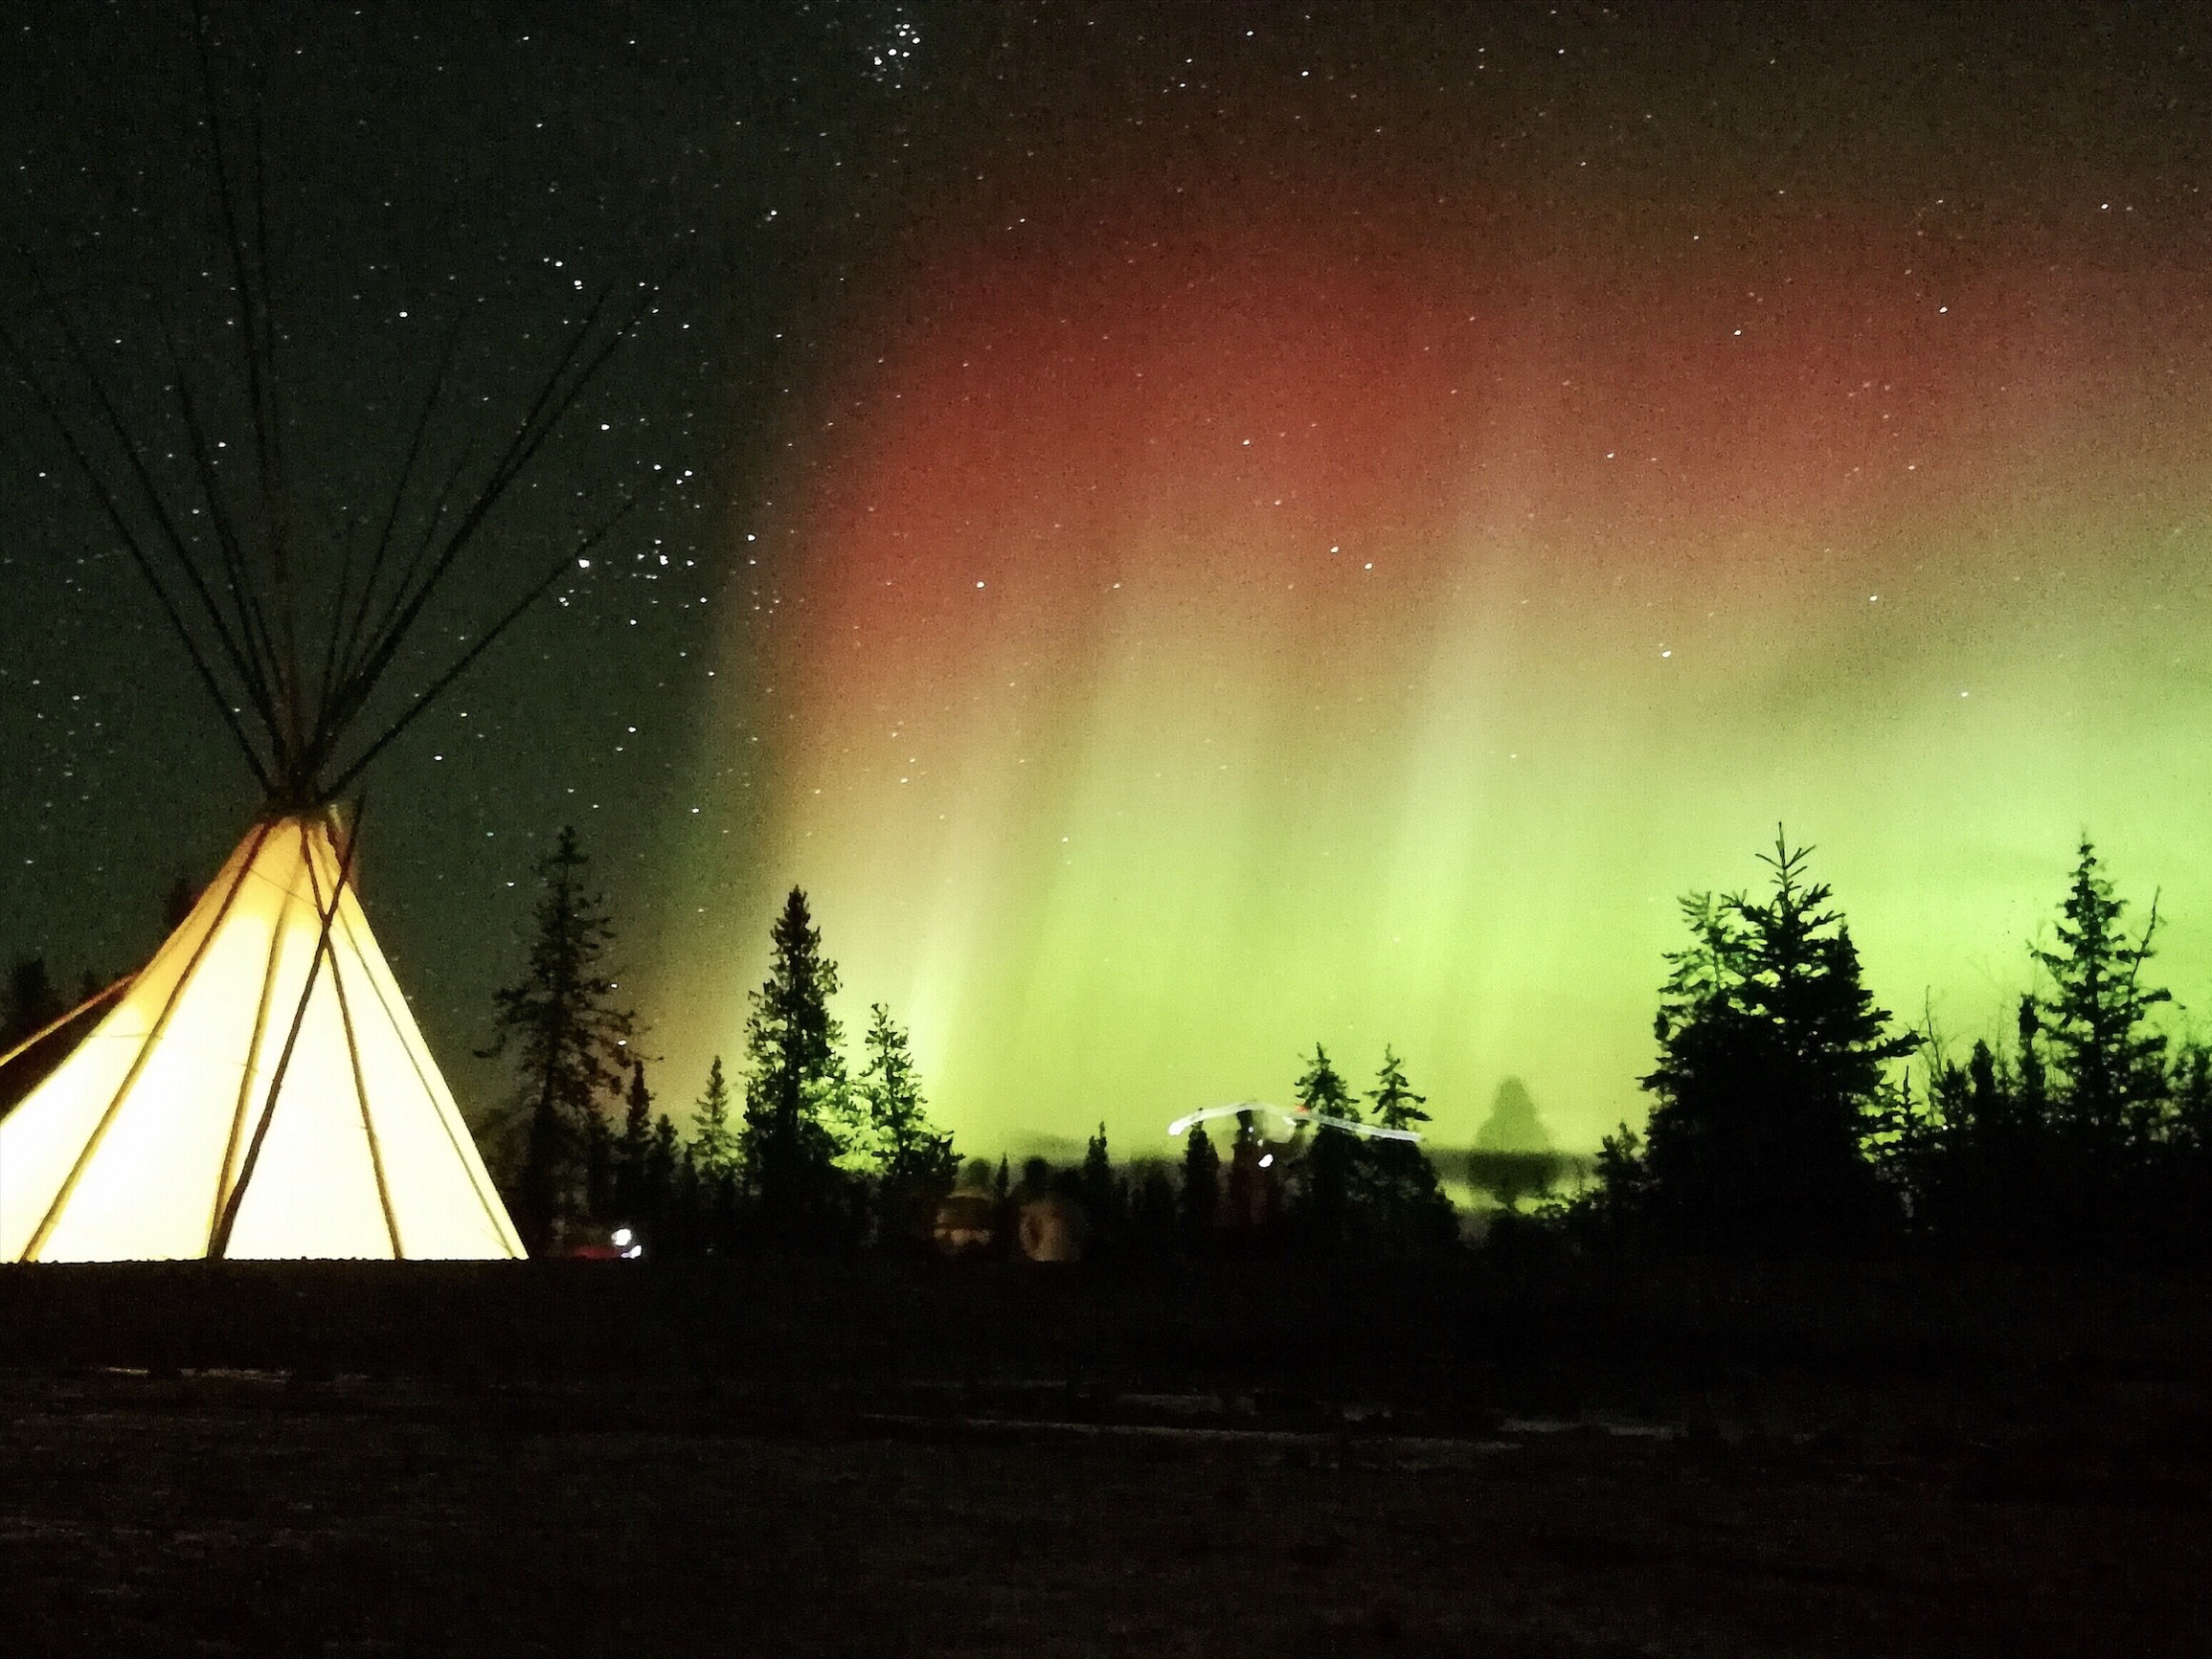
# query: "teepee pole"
{"type": "Point", "coordinates": [252, 1059]}
{"type": "Point", "coordinates": [466, 1154]}
{"type": "Point", "coordinates": [483, 642]}
{"type": "Point", "coordinates": [220, 1244]}
{"type": "Point", "coordinates": [562, 388]}
{"type": "Point", "coordinates": [353, 1057]}
{"type": "Point", "coordinates": [237, 648]}
{"type": "Point", "coordinates": [136, 551]}
{"type": "Point", "coordinates": [146, 1050]}
{"type": "Point", "coordinates": [253, 627]}
{"type": "Point", "coordinates": [348, 611]}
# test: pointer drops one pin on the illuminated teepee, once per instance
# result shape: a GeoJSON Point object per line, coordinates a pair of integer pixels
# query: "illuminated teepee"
{"type": "Point", "coordinates": [261, 1087]}
{"type": "Point", "coordinates": [260, 1090]}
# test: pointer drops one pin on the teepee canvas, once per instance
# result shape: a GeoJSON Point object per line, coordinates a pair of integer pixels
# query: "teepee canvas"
{"type": "Point", "coordinates": [260, 1090]}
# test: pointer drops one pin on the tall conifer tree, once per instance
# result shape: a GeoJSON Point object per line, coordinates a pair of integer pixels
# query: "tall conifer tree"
{"type": "Point", "coordinates": [32, 1001]}
{"type": "Point", "coordinates": [713, 1145]}
{"type": "Point", "coordinates": [570, 1037]}
{"type": "Point", "coordinates": [2096, 1020]}
{"type": "Point", "coordinates": [634, 1151]}
{"type": "Point", "coordinates": [1152, 1212]}
{"type": "Point", "coordinates": [1325, 1199]}
{"type": "Point", "coordinates": [1410, 1215]}
{"type": "Point", "coordinates": [1201, 1196]}
{"type": "Point", "coordinates": [914, 1160]}
{"type": "Point", "coordinates": [1769, 1081]}
{"type": "Point", "coordinates": [795, 1088]}
{"type": "Point", "coordinates": [712, 1162]}
{"type": "Point", "coordinates": [1105, 1205]}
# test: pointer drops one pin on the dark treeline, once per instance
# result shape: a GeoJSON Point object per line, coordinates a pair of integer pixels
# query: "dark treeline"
{"type": "Point", "coordinates": [29, 1003]}
{"type": "Point", "coordinates": [1792, 1117]}
{"type": "Point", "coordinates": [584, 1156]}
{"type": "Point", "coordinates": [795, 1151]}
{"type": "Point", "coordinates": [41, 1021]}
{"type": "Point", "coordinates": [798, 1148]}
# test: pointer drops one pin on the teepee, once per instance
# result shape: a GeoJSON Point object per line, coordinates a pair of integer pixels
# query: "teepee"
{"type": "Point", "coordinates": [260, 1089]}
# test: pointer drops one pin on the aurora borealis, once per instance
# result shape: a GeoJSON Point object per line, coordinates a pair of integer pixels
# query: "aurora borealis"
{"type": "Point", "coordinates": [1234, 527]}
{"type": "Point", "coordinates": [1253, 609]}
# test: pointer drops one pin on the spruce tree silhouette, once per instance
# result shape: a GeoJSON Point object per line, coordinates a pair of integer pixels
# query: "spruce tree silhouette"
{"type": "Point", "coordinates": [2187, 1193]}
{"type": "Point", "coordinates": [1201, 1196]}
{"type": "Point", "coordinates": [599, 1200]}
{"type": "Point", "coordinates": [713, 1141]}
{"type": "Point", "coordinates": [795, 1091]}
{"type": "Point", "coordinates": [1105, 1205]}
{"type": "Point", "coordinates": [633, 1156]}
{"type": "Point", "coordinates": [663, 1170]}
{"type": "Point", "coordinates": [1769, 1079]}
{"type": "Point", "coordinates": [2035, 1081]}
{"type": "Point", "coordinates": [2096, 1018]}
{"type": "Point", "coordinates": [1410, 1215]}
{"type": "Point", "coordinates": [1325, 1215]}
{"type": "Point", "coordinates": [914, 1162]}
{"type": "Point", "coordinates": [33, 1005]}
{"type": "Point", "coordinates": [2191, 1129]}
{"type": "Point", "coordinates": [571, 1039]}
{"type": "Point", "coordinates": [1153, 1226]}
{"type": "Point", "coordinates": [2080, 1140]}
{"type": "Point", "coordinates": [2110, 1089]}
{"type": "Point", "coordinates": [32, 1001]}
{"type": "Point", "coordinates": [712, 1157]}
{"type": "Point", "coordinates": [1969, 1156]}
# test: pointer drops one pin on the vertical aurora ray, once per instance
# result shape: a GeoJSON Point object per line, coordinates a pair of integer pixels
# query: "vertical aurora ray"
{"type": "Point", "coordinates": [1215, 642]}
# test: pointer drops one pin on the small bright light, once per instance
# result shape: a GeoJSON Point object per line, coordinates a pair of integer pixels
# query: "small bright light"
{"type": "Point", "coordinates": [623, 1238]}
{"type": "Point", "coordinates": [1266, 1160]}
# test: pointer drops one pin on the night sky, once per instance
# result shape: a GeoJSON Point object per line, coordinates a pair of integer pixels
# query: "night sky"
{"type": "Point", "coordinates": [1194, 530]}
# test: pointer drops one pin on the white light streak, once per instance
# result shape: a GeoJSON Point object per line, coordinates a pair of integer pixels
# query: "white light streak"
{"type": "Point", "coordinates": [1290, 1118]}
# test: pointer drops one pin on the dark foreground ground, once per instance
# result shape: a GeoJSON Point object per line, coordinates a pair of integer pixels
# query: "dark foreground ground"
{"type": "Point", "coordinates": [885, 1458]}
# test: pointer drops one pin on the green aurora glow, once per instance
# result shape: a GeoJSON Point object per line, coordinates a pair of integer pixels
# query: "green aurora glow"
{"type": "Point", "coordinates": [1336, 557]}
{"type": "Point", "coordinates": [1128, 758]}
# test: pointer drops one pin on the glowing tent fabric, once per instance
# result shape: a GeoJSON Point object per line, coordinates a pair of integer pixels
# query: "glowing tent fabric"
{"type": "Point", "coordinates": [260, 1090]}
